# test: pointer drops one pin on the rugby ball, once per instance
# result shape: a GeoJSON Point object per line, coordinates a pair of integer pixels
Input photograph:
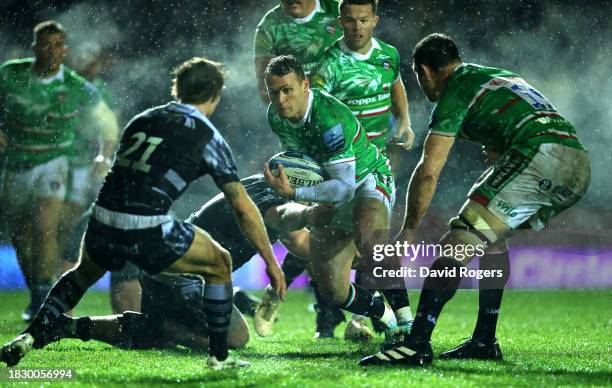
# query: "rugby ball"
{"type": "Point", "coordinates": [302, 170]}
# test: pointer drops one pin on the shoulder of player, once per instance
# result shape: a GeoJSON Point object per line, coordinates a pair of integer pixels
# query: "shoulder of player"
{"type": "Point", "coordinates": [72, 77]}
{"type": "Point", "coordinates": [387, 49]}
{"type": "Point", "coordinates": [273, 118]}
{"type": "Point", "coordinates": [333, 52]}
{"type": "Point", "coordinates": [16, 65]}
{"type": "Point", "coordinates": [329, 111]}
{"type": "Point", "coordinates": [271, 17]}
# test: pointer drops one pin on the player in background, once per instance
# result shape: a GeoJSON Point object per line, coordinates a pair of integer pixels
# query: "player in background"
{"type": "Point", "coordinates": [93, 145]}
{"type": "Point", "coordinates": [364, 73]}
{"type": "Point", "coordinates": [302, 28]}
{"type": "Point", "coordinates": [41, 99]}
{"type": "Point", "coordinates": [162, 151]}
{"type": "Point", "coordinates": [360, 187]}
{"type": "Point", "coordinates": [542, 170]}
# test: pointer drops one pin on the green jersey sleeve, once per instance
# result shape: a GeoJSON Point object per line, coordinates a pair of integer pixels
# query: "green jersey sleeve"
{"type": "Point", "coordinates": [396, 65]}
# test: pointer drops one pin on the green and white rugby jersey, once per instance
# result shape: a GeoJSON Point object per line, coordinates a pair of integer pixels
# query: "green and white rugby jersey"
{"type": "Point", "coordinates": [329, 133]}
{"type": "Point", "coordinates": [499, 110]}
{"type": "Point", "coordinates": [38, 116]}
{"type": "Point", "coordinates": [363, 82]}
{"type": "Point", "coordinates": [306, 38]}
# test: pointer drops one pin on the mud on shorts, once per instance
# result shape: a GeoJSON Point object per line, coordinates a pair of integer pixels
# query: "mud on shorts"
{"type": "Point", "coordinates": [533, 184]}
{"type": "Point", "coordinates": [377, 186]}
{"type": "Point", "coordinates": [152, 243]}
{"type": "Point", "coordinates": [83, 186]}
{"type": "Point", "coordinates": [47, 180]}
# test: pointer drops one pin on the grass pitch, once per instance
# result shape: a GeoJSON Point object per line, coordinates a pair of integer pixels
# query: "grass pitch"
{"type": "Point", "coordinates": [549, 338]}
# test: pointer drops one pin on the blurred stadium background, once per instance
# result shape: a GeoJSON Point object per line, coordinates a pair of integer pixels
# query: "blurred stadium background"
{"type": "Point", "coordinates": [562, 47]}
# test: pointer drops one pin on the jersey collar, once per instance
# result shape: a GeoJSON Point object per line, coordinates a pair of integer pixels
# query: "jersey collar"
{"type": "Point", "coordinates": [57, 76]}
{"type": "Point", "coordinates": [356, 55]}
{"type": "Point", "coordinates": [306, 115]}
{"type": "Point", "coordinates": [309, 17]}
{"type": "Point", "coordinates": [190, 110]}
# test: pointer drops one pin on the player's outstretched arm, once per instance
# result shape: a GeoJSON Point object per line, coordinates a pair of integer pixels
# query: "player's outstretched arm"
{"type": "Point", "coordinates": [399, 108]}
{"type": "Point", "coordinates": [252, 226]}
{"type": "Point", "coordinates": [424, 180]}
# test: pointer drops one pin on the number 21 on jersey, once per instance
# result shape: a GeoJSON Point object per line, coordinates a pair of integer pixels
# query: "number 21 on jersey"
{"type": "Point", "coordinates": [140, 138]}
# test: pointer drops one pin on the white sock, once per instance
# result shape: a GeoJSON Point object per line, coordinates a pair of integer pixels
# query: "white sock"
{"type": "Point", "coordinates": [388, 317]}
{"type": "Point", "coordinates": [404, 314]}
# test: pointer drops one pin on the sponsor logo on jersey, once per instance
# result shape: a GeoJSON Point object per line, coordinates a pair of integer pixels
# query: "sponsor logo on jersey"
{"type": "Point", "coordinates": [369, 100]}
{"type": "Point", "coordinates": [511, 164]}
{"type": "Point", "coordinates": [506, 208]}
{"type": "Point", "coordinates": [334, 139]}
{"type": "Point", "coordinates": [330, 28]}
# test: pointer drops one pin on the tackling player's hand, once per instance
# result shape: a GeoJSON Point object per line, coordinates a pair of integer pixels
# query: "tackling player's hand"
{"type": "Point", "coordinates": [279, 183]}
{"type": "Point", "coordinates": [277, 280]}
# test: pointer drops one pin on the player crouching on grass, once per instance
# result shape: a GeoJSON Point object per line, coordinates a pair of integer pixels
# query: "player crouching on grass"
{"type": "Point", "coordinates": [161, 152]}
{"type": "Point", "coordinates": [542, 170]}
{"type": "Point", "coordinates": [172, 309]}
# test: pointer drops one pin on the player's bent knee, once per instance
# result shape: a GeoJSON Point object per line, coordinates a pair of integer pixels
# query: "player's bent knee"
{"type": "Point", "coordinates": [224, 263]}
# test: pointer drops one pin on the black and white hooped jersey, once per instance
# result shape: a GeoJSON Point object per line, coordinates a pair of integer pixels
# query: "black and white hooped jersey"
{"type": "Point", "coordinates": [162, 151]}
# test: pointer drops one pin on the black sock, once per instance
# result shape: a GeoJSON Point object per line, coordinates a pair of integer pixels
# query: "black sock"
{"type": "Point", "coordinates": [292, 267]}
{"type": "Point", "coordinates": [326, 312]}
{"type": "Point", "coordinates": [436, 292]}
{"type": "Point", "coordinates": [395, 292]}
{"type": "Point", "coordinates": [40, 290]}
{"type": "Point", "coordinates": [83, 328]}
{"type": "Point", "coordinates": [361, 302]}
{"type": "Point", "coordinates": [64, 296]}
{"type": "Point", "coordinates": [397, 298]}
{"type": "Point", "coordinates": [490, 295]}
{"type": "Point", "coordinates": [218, 308]}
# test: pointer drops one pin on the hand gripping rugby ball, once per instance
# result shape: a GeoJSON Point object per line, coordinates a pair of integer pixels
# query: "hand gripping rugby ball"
{"type": "Point", "coordinates": [302, 170]}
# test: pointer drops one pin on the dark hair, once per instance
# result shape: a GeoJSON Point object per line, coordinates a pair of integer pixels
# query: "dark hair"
{"type": "Point", "coordinates": [344, 3]}
{"type": "Point", "coordinates": [197, 80]}
{"type": "Point", "coordinates": [285, 64]}
{"type": "Point", "coordinates": [435, 51]}
{"type": "Point", "coordinates": [47, 28]}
